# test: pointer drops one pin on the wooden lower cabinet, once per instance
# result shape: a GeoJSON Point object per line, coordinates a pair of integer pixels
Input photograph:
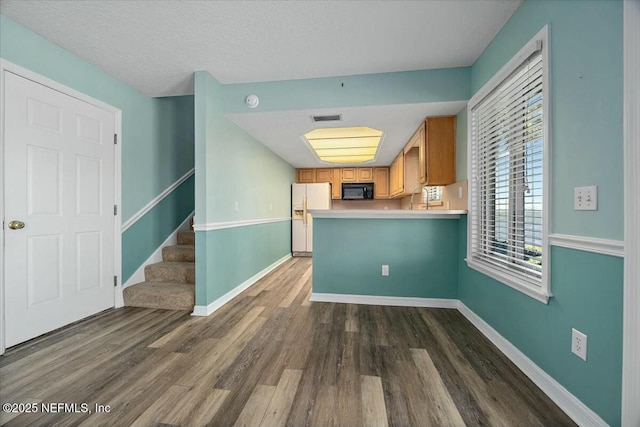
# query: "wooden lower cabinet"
{"type": "Point", "coordinates": [380, 183]}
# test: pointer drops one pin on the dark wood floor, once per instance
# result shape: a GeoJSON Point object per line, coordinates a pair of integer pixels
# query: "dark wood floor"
{"type": "Point", "coordinates": [272, 358]}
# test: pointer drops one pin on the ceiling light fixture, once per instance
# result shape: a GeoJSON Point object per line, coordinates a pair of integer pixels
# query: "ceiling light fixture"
{"type": "Point", "coordinates": [344, 145]}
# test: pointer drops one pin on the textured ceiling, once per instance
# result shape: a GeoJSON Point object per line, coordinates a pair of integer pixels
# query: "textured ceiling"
{"type": "Point", "coordinates": [155, 46]}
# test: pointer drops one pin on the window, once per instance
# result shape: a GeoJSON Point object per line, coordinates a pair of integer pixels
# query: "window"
{"type": "Point", "coordinates": [508, 142]}
{"type": "Point", "coordinates": [432, 194]}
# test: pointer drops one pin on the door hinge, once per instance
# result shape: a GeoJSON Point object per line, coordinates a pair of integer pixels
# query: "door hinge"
{"type": "Point", "coordinates": [115, 281]}
{"type": "Point", "coordinates": [115, 139]}
{"type": "Point", "coordinates": [115, 210]}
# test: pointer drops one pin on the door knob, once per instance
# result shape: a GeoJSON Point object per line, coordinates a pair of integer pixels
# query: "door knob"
{"type": "Point", "coordinates": [16, 225]}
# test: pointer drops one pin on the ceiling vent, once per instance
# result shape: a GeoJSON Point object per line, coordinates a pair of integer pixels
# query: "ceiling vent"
{"type": "Point", "coordinates": [328, 118]}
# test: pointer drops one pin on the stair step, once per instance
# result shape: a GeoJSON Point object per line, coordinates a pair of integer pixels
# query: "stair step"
{"type": "Point", "coordinates": [171, 271]}
{"type": "Point", "coordinates": [163, 295]}
{"type": "Point", "coordinates": [186, 237]}
{"type": "Point", "coordinates": [182, 253]}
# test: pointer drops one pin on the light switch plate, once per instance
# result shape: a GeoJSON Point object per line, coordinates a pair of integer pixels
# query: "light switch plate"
{"type": "Point", "coordinates": [585, 198]}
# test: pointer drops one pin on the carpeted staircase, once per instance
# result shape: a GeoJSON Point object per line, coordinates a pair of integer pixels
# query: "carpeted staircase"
{"type": "Point", "coordinates": [169, 284]}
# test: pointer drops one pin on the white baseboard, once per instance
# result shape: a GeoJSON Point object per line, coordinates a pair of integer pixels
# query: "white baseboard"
{"type": "Point", "coordinates": [570, 404]}
{"type": "Point", "coordinates": [156, 256]}
{"type": "Point", "coordinates": [206, 310]}
{"type": "Point", "coordinates": [384, 300]}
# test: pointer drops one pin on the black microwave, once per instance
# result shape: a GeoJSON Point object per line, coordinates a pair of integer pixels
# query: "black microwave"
{"type": "Point", "coordinates": [357, 190]}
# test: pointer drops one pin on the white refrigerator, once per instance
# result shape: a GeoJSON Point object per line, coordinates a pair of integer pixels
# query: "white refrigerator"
{"type": "Point", "coordinates": [303, 198]}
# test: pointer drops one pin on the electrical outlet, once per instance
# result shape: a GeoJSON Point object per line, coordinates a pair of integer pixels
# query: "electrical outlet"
{"type": "Point", "coordinates": [236, 206]}
{"type": "Point", "coordinates": [460, 192]}
{"type": "Point", "coordinates": [385, 270]}
{"type": "Point", "coordinates": [270, 207]}
{"type": "Point", "coordinates": [579, 344]}
{"type": "Point", "coordinates": [585, 198]}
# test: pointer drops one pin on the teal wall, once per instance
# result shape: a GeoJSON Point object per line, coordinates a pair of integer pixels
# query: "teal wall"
{"type": "Point", "coordinates": [407, 87]}
{"type": "Point", "coordinates": [587, 291]}
{"type": "Point", "coordinates": [422, 255]}
{"type": "Point", "coordinates": [586, 127]}
{"type": "Point", "coordinates": [157, 133]}
{"type": "Point", "coordinates": [149, 232]}
{"type": "Point", "coordinates": [586, 104]}
{"type": "Point", "coordinates": [232, 167]}
{"type": "Point", "coordinates": [236, 254]}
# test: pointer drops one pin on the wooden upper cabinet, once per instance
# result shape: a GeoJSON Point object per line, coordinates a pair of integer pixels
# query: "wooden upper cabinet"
{"type": "Point", "coordinates": [324, 175]}
{"type": "Point", "coordinates": [439, 151]}
{"type": "Point", "coordinates": [336, 183]}
{"type": "Point", "coordinates": [396, 175]}
{"type": "Point", "coordinates": [349, 175]}
{"type": "Point", "coordinates": [306, 176]}
{"type": "Point", "coordinates": [420, 143]}
{"type": "Point", "coordinates": [380, 183]}
{"type": "Point", "coordinates": [365, 174]}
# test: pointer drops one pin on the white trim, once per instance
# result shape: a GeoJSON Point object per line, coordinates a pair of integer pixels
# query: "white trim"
{"type": "Point", "coordinates": [206, 310]}
{"type": "Point", "coordinates": [233, 224]}
{"type": "Point", "coordinates": [142, 212]}
{"type": "Point", "coordinates": [386, 214]}
{"type": "Point", "coordinates": [156, 256]}
{"type": "Point", "coordinates": [515, 282]}
{"type": "Point", "coordinates": [6, 66]}
{"type": "Point", "coordinates": [384, 300]}
{"type": "Point", "coordinates": [526, 51]}
{"type": "Point", "coordinates": [588, 244]}
{"type": "Point", "coordinates": [570, 404]}
{"type": "Point", "coordinates": [542, 293]}
{"type": "Point", "coordinates": [631, 136]}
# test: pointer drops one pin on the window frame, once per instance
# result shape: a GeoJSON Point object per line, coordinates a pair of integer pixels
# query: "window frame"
{"type": "Point", "coordinates": [541, 293]}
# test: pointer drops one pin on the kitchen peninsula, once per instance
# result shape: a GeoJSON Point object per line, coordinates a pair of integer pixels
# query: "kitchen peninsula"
{"type": "Point", "coordinates": [420, 247]}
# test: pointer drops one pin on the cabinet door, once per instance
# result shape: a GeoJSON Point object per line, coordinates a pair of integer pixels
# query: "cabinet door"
{"type": "Point", "coordinates": [401, 173]}
{"type": "Point", "coordinates": [306, 176]}
{"type": "Point", "coordinates": [324, 175]}
{"type": "Point", "coordinates": [380, 183]}
{"type": "Point", "coordinates": [440, 154]}
{"type": "Point", "coordinates": [422, 165]}
{"type": "Point", "coordinates": [393, 178]}
{"type": "Point", "coordinates": [365, 174]}
{"type": "Point", "coordinates": [336, 184]}
{"type": "Point", "coordinates": [349, 175]}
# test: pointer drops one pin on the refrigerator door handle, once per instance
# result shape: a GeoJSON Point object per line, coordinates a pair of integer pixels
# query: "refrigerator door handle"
{"type": "Point", "coordinates": [304, 210]}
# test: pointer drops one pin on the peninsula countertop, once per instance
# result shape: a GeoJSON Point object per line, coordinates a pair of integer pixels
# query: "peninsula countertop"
{"type": "Point", "coordinates": [387, 213]}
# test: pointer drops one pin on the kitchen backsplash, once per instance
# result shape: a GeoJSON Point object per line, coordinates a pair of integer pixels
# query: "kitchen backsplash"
{"type": "Point", "coordinates": [366, 204]}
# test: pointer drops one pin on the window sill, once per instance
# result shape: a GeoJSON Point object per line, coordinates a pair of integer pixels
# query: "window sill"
{"type": "Point", "coordinates": [511, 281]}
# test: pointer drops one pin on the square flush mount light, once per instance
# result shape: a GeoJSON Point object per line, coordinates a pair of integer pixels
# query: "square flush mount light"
{"type": "Point", "coordinates": [344, 145]}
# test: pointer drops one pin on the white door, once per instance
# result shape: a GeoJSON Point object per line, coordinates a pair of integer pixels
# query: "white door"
{"type": "Point", "coordinates": [59, 182]}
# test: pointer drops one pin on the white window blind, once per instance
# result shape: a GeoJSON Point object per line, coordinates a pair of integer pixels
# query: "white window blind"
{"type": "Point", "coordinates": [507, 155]}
